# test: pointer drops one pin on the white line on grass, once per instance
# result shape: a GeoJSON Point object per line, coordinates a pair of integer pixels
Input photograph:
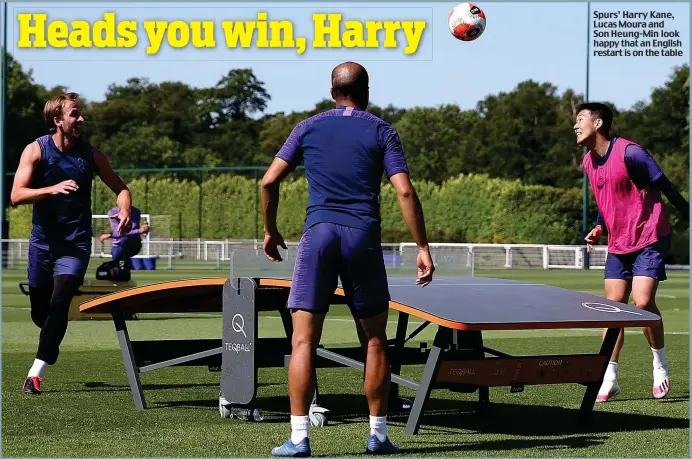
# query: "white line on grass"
{"type": "Point", "coordinates": [471, 285]}
{"type": "Point", "coordinates": [339, 319]}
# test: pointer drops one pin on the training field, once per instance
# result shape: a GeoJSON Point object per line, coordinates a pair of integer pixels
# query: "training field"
{"type": "Point", "coordinates": [86, 409]}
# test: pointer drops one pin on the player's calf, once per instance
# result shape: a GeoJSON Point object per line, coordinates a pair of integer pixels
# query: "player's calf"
{"type": "Point", "coordinates": [53, 328]}
{"type": "Point", "coordinates": [55, 325]}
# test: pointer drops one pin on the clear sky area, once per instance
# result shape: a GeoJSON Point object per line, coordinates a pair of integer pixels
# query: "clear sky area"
{"type": "Point", "coordinates": [545, 42]}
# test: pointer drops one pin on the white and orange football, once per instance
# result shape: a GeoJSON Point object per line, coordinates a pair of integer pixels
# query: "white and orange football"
{"type": "Point", "coordinates": [466, 21]}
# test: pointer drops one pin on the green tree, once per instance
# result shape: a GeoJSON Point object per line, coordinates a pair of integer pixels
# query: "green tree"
{"type": "Point", "coordinates": [236, 96]}
{"type": "Point", "coordinates": [439, 143]}
{"type": "Point", "coordinates": [526, 135]}
{"type": "Point", "coordinates": [23, 111]}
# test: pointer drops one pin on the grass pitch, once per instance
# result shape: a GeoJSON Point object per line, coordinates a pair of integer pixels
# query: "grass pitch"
{"type": "Point", "coordinates": [86, 409]}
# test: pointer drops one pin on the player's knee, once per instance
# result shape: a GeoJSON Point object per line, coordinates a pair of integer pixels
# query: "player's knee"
{"type": "Point", "coordinates": [644, 300]}
{"type": "Point", "coordinates": [303, 341]}
{"type": "Point", "coordinates": [40, 304]}
{"type": "Point", "coordinates": [648, 304]}
{"type": "Point", "coordinates": [374, 324]}
{"type": "Point", "coordinates": [65, 289]}
{"type": "Point", "coordinates": [39, 311]}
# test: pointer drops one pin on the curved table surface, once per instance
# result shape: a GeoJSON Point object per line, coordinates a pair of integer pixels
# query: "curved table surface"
{"type": "Point", "coordinates": [186, 295]}
{"type": "Point", "coordinates": [465, 303]}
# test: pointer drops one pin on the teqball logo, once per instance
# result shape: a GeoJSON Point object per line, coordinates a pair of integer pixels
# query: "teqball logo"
{"type": "Point", "coordinates": [238, 325]}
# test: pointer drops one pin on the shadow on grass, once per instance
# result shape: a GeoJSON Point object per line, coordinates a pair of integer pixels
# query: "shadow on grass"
{"type": "Point", "coordinates": [431, 448]}
{"type": "Point", "coordinates": [212, 315]}
{"type": "Point", "coordinates": [93, 386]}
{"type": "Point", "coordinates": [443, 417]}
{"type": "Point", "coordinates": [428, 448]}
{"type": "Point", "coordinates": [547, 420]}
{"type": "Point", "coordinates": [677, 399]}
{"type": "Point", "coordinates": [682, 398]}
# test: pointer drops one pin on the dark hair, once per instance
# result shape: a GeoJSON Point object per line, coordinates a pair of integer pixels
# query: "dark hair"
{"type": "Point", "coordinates": [599, 110]}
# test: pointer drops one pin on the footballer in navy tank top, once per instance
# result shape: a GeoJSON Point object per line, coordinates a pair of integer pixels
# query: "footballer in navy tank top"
{"type": "Point", "coordinates": [63, 218]}
{"type": "Point", "coordinates": [55, 175]}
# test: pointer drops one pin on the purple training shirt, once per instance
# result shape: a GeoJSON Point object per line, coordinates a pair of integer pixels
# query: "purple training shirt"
{"type": "Point", "coordinates": [345, 152]}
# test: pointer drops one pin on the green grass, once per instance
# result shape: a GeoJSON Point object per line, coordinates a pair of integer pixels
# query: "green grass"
{"type": "Point", "coordinates": [87, 410]}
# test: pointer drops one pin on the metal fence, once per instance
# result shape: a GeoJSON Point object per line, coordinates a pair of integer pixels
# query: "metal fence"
{"type": "Point", "coordinates": [201, 254]}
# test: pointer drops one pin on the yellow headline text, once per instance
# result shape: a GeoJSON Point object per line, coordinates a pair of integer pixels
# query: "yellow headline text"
{"type": "Point", "coordinates": [329, 30]}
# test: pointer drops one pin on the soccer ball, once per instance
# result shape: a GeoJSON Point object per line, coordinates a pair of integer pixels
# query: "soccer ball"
{"type": "Point", "coordinates": [466, 21]}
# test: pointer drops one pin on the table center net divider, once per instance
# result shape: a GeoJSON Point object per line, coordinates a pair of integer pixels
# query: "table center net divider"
{"type": "Point", "coordinates": [461, 306]}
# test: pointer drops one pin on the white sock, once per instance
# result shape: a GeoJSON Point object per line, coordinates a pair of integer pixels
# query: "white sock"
{"type": "Point", "coordinates": [660, 357]}
{"type": "Point", "coordinates": [38, 368]}
{"type": "Point", "coordinates": [611, 372]}
{"type": "Point", "coordinates": [378, 426]}
{"type": "Point", "coordinates": [299, 428]}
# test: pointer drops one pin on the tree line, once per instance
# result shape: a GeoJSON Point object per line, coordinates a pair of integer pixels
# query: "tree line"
{"type": "Point", "coordinates": [524, 134]}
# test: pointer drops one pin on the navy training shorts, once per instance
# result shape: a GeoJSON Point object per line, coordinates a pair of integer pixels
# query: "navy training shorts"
{"type": "Point", "coordinates": [327, 252]}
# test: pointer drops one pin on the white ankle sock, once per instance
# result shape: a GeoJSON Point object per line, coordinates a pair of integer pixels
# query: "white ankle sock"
{"type": "Point", "coordinates": [299, 428]}
{"type": "Point", "coordinates": [38, 368]}
{"type": "Point", "coordinates": [611, 372]}
{"type": "Point", "coordinates": [378, 426]}
{"type": "Point", "coordinates": [660, 357]}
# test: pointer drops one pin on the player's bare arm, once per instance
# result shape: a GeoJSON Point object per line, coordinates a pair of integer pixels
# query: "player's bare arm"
{"type": "Point", "coordinates": [412, 212]}
{"type": "Point", "coordinates": [595, 234]}
{"type": "Point", "coordinates": [410, 208]}
{"type": "Point", "coordinates": [21, 191]}
{"type": "Point", "coordinates": [271, 181]}
{"type": "Point", "coordinates": [115, 183]}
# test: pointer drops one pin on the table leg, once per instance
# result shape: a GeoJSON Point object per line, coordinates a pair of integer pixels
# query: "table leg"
{"type": "Point", "coordinates": [442, 339]}
{"type": "Point", "coordinates": [128, 358]}
{"type": "Point", "coordinates": [591, 393]}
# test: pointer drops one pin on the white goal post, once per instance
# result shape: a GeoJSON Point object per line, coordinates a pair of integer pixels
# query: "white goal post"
{"type": "Point", "coordinates": [510, 256]}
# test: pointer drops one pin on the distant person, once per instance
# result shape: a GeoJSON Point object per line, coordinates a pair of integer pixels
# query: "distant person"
{"type": "Point", "coordinates": [55, 174]}
{"type": "Point", "coordinates": [128, 245]}
{"type": "Point", "coordinates": [627, 184]}
{"type": "Point", "coordinates": [346, 151]}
